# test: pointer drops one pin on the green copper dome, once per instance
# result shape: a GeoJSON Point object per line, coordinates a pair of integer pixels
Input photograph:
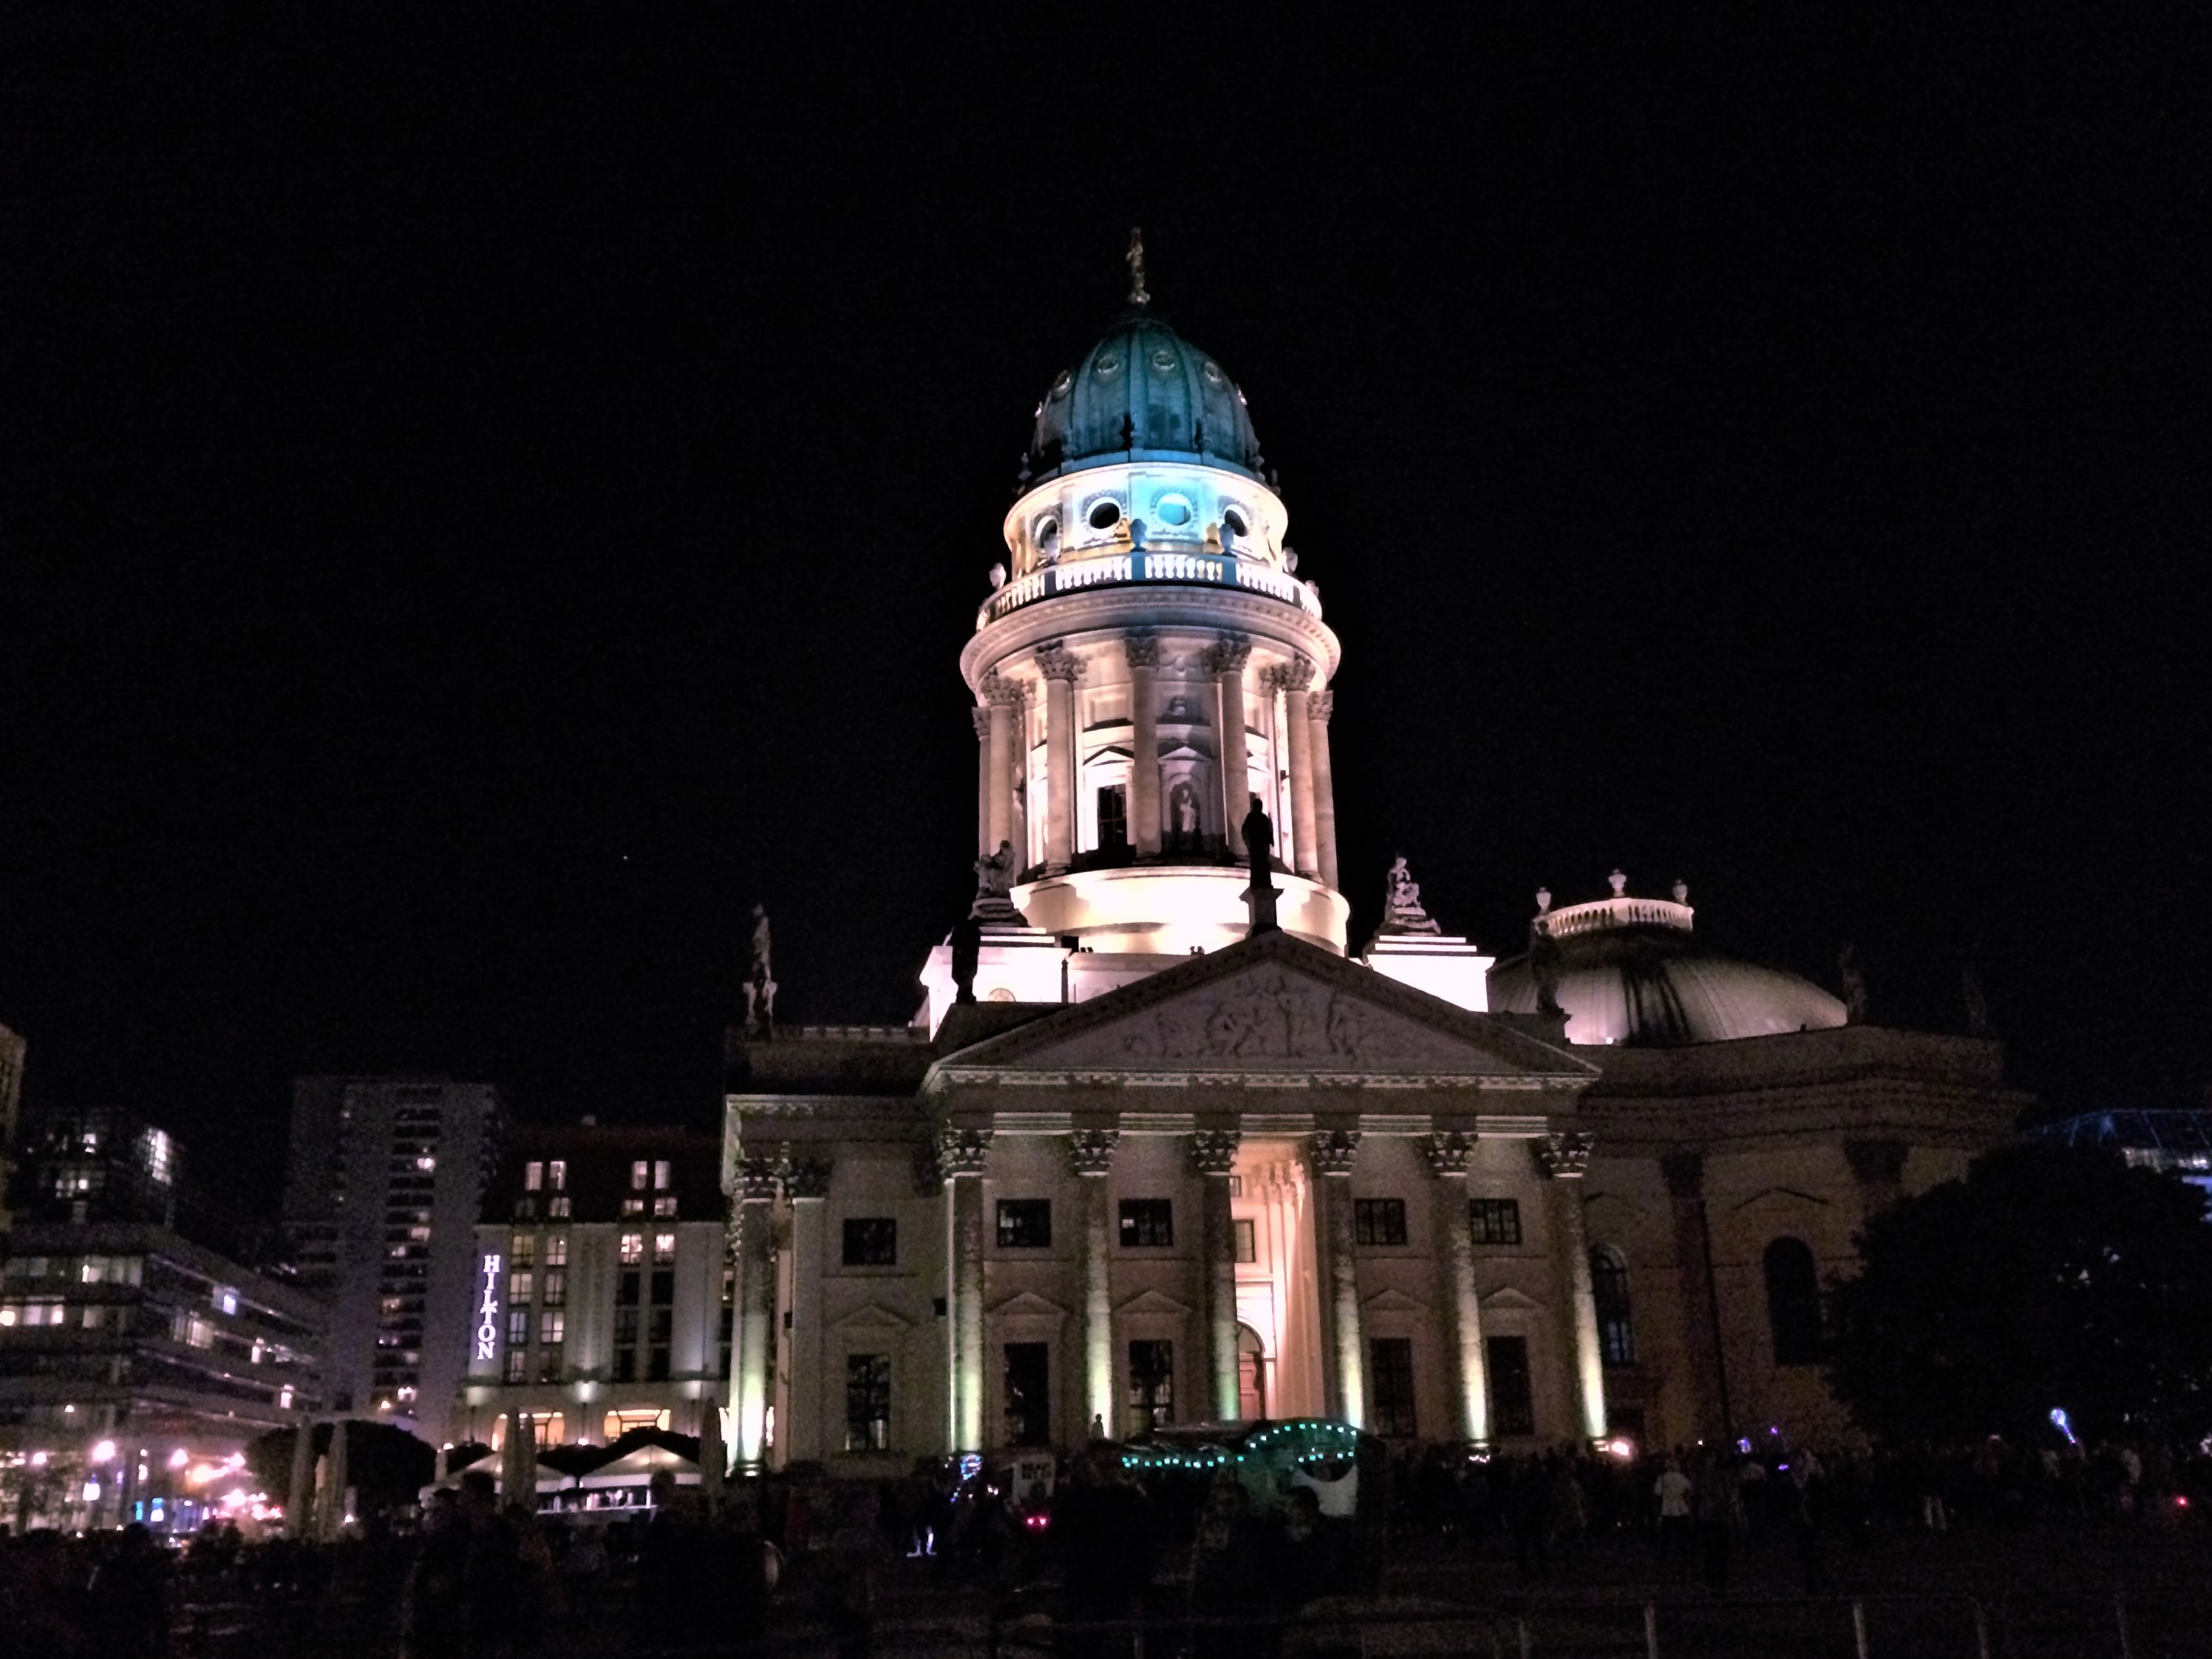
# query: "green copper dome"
{"type": "Point", "coordinates": [1143, 392]}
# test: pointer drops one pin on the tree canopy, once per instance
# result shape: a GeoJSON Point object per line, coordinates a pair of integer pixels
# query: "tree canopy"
{"type": "Point", "coordinates": [2049, 1277]}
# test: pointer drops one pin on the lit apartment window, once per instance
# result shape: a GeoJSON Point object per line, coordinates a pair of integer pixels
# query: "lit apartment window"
{"type": "Point", "coordinates": [533, 1175]}
{"type": "Point", "coordinates": [556, 1250]}
{"type": "Point", "coordinates": [660, 1174]}
{"type": "Point", "coordinates": [557, 1174]}
{"type": "Point", "coordinates": [517, 1328]}
{"type": "Point", "coordinates": [518, 1285]}
{"type": "Point", "coordinates": [637, 1174]}
{"type": "Point", "coordinates": [554, 1292]}
{"type": "Point", "coordinates": [522, 1250]}
{"type": "Point", "coordinates": [632, 1205]}
{"type": "Point", "coordinates": [552, 1327]}
{"type": "Point", "coordinates": [664, 1247]}
{"type": "Point", "coordinates": [557, 1206]}
{"type": "Point", "coordinates": [665, 1206]}
{"type": "Point", "coordinates": [633, 1248]}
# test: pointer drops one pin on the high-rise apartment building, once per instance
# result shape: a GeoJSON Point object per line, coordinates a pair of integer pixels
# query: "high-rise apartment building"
{"type": "Point", "coordinates": [11, 1097]}
{"type": "Point", "coordinates": [380, 1205]}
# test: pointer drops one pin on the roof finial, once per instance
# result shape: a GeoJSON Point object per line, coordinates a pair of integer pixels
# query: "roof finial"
{"type": "Point", "coordinates": [1135, 258]}
{"type": "Point", "coordinates": [1619, 883]}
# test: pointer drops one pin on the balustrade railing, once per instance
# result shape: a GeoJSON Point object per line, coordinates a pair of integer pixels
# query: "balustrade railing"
{"type": "Point", "coordinates": [1600, 914]}
{"type": "Point", "coordinates": [1210, 569]}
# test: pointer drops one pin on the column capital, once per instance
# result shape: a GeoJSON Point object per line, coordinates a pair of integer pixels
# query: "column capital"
{"type": "Point", "coordinates": [1563, 1156]}
{"type": "Point", "coordinates": [1229, 653]}
{"type": "Point", "coordinates": [1332, 1151]}
{"type": "Point", "coordinates": [1091, 1151]}
{"type": "Point", "coordinates": [804, 1177]}
{"type": "Point", "coordinates": [980, 718]}
{"type": "Point", "coordinates": [1296, 675]}
{"type": "Point", "coordinates": [1143, 646]}
{"type": "Point", "coordinates": [753, 1180]}
{"type": "Point", "coordinates": [962, 1152]}
{"type": "Point", "coordinates": [1001, 692]}
{"type": "Point", "coordinates": [1320, 705]}
{"type": "Point", "coordinates": [1447, 1153]}
{"type": "Point", "coordinates": [1056, 662]}
{"type": "Point", "coordinates": [1213, 1152]}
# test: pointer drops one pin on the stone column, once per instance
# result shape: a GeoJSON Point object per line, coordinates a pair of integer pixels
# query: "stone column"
{"type": "Point", "coordinates": [1213, 1158]}
{"type": "Point", "coordinates": [1090, 1158]}
{"type": "Point", "coordinates": [1143, 649]}
{"type": "Point", "coordinates": [1564, 1159]}
{"type": "Point", "coordinates": [1320, 705]}
{"type": "Point", "coordinates": [1332, 1152]}
{"type": "Point", "coordinates": [1227, 658]}
{"type": "Point", "coordinates": [1293, 679]}
{"type": "Point", "coordinates": [1448, 1155]}
{"type": "Point", "coordinates": [979, 717]}
{"type": "Point", "coordinates": [806, 1184]}
{"type": "Point", "coordinates": [961, 1155]}
{"type": "Point", "coordinates": [1061, 668]}
{"type": "Point", "coordinates": [753, 1190]}
{"type": "Point", "coordinates": [1700, 1299]}
{"type": "Point", "coordinates": [1006, 701]}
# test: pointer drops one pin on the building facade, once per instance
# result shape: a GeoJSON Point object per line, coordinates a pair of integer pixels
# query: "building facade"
{"type": "Point", "coordinates": [601, 1291]}
{"type": "Point", "coordinates": [384, 1184]}
{"type": "Point", "coordinates": [1170, 1165]}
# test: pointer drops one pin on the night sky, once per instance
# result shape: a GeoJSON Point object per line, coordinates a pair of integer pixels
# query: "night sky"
{"type": "Point", "coordinates": [477, 511]}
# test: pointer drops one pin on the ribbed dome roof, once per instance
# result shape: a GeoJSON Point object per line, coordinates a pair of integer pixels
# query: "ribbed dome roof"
{"type": "Point", "coordinates": [1142, 392]}
{"type": "Point", "coordinates": [1629, 971]}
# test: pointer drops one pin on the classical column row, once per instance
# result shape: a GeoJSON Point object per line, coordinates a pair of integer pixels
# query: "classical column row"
{"type": "Point", "coordinates": [1002, 754]}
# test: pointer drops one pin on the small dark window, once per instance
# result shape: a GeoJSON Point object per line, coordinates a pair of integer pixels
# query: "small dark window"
{"type": "Point", "coordinates": [1148, 1222]}
{"type": "Point", "coordinates": [1234, 521]}
{"type": "Point", "coordinates": [1114, 815]}
{"type": "Point", "coordinates": [664, 1287]}
{"type": "Point", "coordinates": [1378, 1220]}
{"type": "Point", "coordinates": [1494, 1220]}
{"type": "Point", "coordinates": [1616, 1336]}
{"type": "Point", "coordinates": [1512, 1401]}
{"type": "Point", "coordinates": [1104, 515]}
{"type": "Point", "coordinates": [871, 1241]}
{"type": "Point", "coordinates": [1151, 1385]}
{"type": "Point", "coordinates": [1029, 1395]}
{"type": "Point", "coordinates": [1247, 1239]}
{"type": "Point", "coordinates": [1793, 1302]}
{"type": "Point", "coordinates": [1390, 1369]}
{"type": "Point", "coordinates": [1025, 1224]}
{"type": "Point", "coordinates": [867, 1401]}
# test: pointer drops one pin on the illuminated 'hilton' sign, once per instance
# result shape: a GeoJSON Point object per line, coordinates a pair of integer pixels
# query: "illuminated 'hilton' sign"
{"type": "Point", "coordinates": [488, 1315]}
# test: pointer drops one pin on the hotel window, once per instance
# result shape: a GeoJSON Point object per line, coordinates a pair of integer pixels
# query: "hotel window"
{"type": "Point", "coordinates": [1246, 1235]}
{"type": "Point", "coordinates": [1378, 1221]}
{"type": "Point", "coordinates": [1512, 1400]}
{"type": "Point", "coordinates": [1494, 1220]}
{"type": "Point", "coordinates": [633, 1206]}
{"type": "Point", "coordinates": [1025, 1224]}
{"type": "Point", "coordinates": [551, 1328]}
{"type": "Point", "coordinates": [868, 1402]}
{"type": "Point", "coordinates": [553, 1292]}
{"type": "Point", "coordinates": [533, 1175]}
{"type": "Point", "coordinates": [1616, 1335]}
{"type": "Point", "coordinates": [1147, 1222]}
{"type": "Point", "coordinates": [870, 1242]}
{"type": "Point", "coordinates": [660, 1174]}
{"type": "Point", "coordinates": [620, 1422]}
{"type": "Point", "coordinates": [626, 1286]}
{"type": "Point", "coordinates": [517, 1328]}
{"type": "Point", "coordinates": [522, 1250]}
{"type": "Point", "coordinates": [557, 1206]}
{"type": "Point", "coordinates": [633, 1248]}
{"type": "Point", "coordinates": [1151, 1385]}
{"type": "Point", "coordinates": [517, 1365]}
{"type": "Point", "coordinates": [518, 1285]}
{"type": "Point", "coordinates": [664, 1247]}
{"type": "Point", "coordinates": [661, 1327]}
{"type": "Point", "coordinates": [557, 1174]}
{"type": "Point", "coordinates": [556, 1250]}
{"type": "Point", "coordinates": [637, 1175]}
{"type": "Point", "coordinates": [665, 1206]}
{"type": "Point", "coordinates": [1390, 1370]}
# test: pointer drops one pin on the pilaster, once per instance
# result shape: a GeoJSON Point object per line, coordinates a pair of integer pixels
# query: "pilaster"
{"type": "Point", "coordinates": [1565, 1159]}
{"type": "Point", "coordinates": [1447, 1155]}
{"type": "Point", "coordinates": [962, 1155]}
{"type": "Point", "coordinates": [1060, 668]}
{"type": "Point", "coordinates": [1320, 705]}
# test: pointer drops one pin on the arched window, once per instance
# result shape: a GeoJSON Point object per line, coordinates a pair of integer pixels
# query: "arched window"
{"type": "Point", "coordinates": [1793, 1302]}
{"type": "Point", "coordinates": [1616, 1333]}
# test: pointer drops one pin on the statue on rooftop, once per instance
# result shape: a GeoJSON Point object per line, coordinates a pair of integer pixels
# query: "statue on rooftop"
{"type": "Point", "coordinates": [1259, 848]}
{"type": "Point", "coordinates": [758, 990]}
{"type": "Point", "coordinates": [994, 881]}
{"type": "Point", "coordinates": [1855, 991]}
{"type": "Point", "coordinates": [1401, 903]}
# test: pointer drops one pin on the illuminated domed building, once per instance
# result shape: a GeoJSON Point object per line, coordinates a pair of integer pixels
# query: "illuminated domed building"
{"type": "Point", "coordinates": [1169, 1165]}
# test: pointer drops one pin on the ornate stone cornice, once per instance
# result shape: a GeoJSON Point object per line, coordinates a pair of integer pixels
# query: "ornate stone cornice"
{"type": "Point", "coordinates": [1563, 1156]}
{"type": "Point", "coordinates": [1331, 1151]}
{"type": "Point", "coordinates": [962, 1152]}
{"type": "Point", "coordinates": [1320, 705]}
{"type": "Point", "coordinates": [1448, 1153]}
{"type": "Point", "coordinates": [1143, 645]}
{"type": "Point", "coordinates": [1296, 675]}
{"type": "Point", "coordinates": [1056, 662]}
{"type": "Point", "coordinates": [1213, 1152]}
{"type": "Point", "coordinates": [1091, 1151]}
{"type": "Point", "coordinates": [754, 1181]}
{"type": "Point", "coordinates": [1229, 653]}
{"type": "Point", "coordinates": [981, 719]}
{"type": "Point", "coordinates": [804, 1177]}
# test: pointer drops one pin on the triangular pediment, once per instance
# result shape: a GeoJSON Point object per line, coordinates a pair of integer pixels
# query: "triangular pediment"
{"type": "Point", "coordinates": [1392, 1301]}
{"type": "Point", "coordinates": [1272, 1004]}
{"type": "Point", "coordinates": [1151, 1302]}
{"type": "Point", "coordinates": [1028, 1304]}
{"type": "Point", "coordinates": [874, 1317]}
{"type": "Point", "coordinates": [1506, 1299]}
{"type": "Point", "coordinates": [1781, 1198]}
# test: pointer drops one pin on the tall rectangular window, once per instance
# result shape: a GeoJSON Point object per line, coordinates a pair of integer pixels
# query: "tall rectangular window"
{"type": "Point", "coordinates": [522, 1250]}
{"type": "Point", "coordinates": [1151, 1385]}
{"type": "Point", "coordinates": [1378, 1220]}
{"type": "Point", "coordinates": [1512, 1398]}
{"type": "Point", "coordinates": [557, 1174]}
{"type": "Point", "coordinates": [660, 1174]}
{"type": "Point", "coordinates": [870, 1242]}
{"type": "Point", "coordinates": [1113, 816]}
{"type": "Point", "coordinates": [1246, 1236]}
{"type": "Point", "coordinates": [518, 1285]}
{"type": "Point", "coordinates": [633, 1248]}
{"type": "Point", "coordinates": [637, 1175]}
{"type": "Point", "coordinates": [556, 1250]}
{"type": "Point", "coordinates": [1390, 1373]}
{"type": "Point", "coordinates": [1029, 1395]}
{"type": "Point", "coordinates": [1025, 1224]}
{"type": "Point", "coordinates": [664, 1247]}
{"type": "Point", "coordinates": [1147, 1222]}
{"type": "Point", "coordinates": [553, 1289]}
{"type": "Point", "coordinates": [1494, 1220]}
{"type": "Point", "coordinates": [533, 1175]}
{"type": "Point", "coordinates": [868, 1402]}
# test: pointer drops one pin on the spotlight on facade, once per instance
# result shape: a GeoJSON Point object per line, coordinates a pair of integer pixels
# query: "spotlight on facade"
{"type": "Point", "coordinates": [179, 1458]}
{"type": "Point", "coordinates": [104, 1452]}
